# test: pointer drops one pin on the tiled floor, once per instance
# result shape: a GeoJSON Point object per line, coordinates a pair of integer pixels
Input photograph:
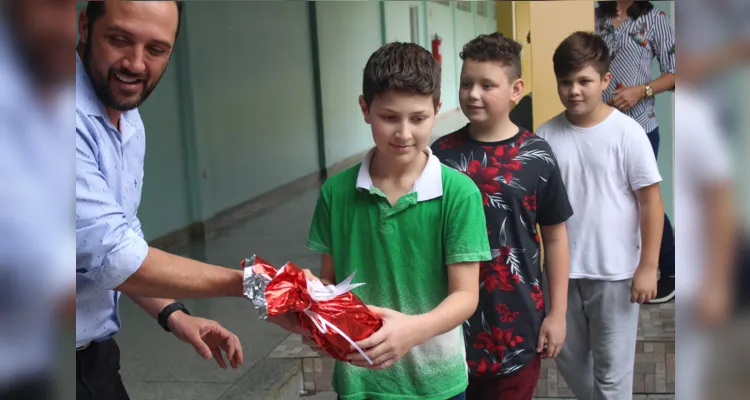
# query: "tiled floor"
{"type": "Point", "coordinates": [654, 360]}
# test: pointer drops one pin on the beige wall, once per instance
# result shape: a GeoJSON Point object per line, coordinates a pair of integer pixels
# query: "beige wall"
{"type": "Point", "coordinates": [504, 18]}
{"type": "Point", "coordinates": [523, 27]}
{"type": "Point", "coordinates": [551, 22]}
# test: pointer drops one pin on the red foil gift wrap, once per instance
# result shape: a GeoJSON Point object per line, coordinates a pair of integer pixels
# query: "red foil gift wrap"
{"type": "Point", "coordinates": [334, 316]}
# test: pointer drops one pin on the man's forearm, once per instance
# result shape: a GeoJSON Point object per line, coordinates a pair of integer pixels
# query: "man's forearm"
{"type": "Point", "coordinates": [450, 313]}
{"type": "Point", "coordinates": [557, 261]}
{"type": "Point", "coordinates": [663, 83]}
{"type": "Point", "coordinates": [164, 275]}
{"type": "Point", "coordinates": [151, 305]}
{"type": "Point", "coordinates": [652, 228]}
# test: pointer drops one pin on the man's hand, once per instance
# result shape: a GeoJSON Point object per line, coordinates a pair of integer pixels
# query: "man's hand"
{"type": "Point", "coordinates": [627, 97]}
{"type": "Point", "coordinates": [399, 334]}
{"type": "Point", "coordinates": [644, 285]}
{"type": "Point", "coordinates": [551, 336]}
{"type": "Point", "coordinates": [207, 337]}
{"type": "Point", "coordinates": [289, 322]}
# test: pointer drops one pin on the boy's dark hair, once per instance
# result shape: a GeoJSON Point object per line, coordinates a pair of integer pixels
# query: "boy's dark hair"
{"type": "Point", "coordinates": [580, 50]}
{"type": "Point", "coordinates": [638, 8]}
{"type": "Point", "coordinates": [496, 48]}
{"type": "Point", "coordinates": [403, 67]}
{"type": "Point", "coordinates": [95, 9]}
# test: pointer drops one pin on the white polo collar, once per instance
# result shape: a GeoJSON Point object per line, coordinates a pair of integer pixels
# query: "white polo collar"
{"type": "Point", "coordinates": [428, 186]}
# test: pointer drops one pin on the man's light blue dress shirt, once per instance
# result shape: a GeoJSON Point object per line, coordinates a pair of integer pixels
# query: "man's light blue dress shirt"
{"type": "Point", "coordinates": [109, 241]}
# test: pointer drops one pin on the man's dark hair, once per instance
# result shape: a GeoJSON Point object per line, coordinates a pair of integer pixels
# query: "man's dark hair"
{"type": "Point", "coordinates": [95, 9]}
{"type": "Point", "coordinates": [402, 67]}
{"type": "Point", "coordinates": [638, 8]}
{"type": "Point", "coordinates": [497, 48]}
{"type": "Point", "coordinates": [580, 50]}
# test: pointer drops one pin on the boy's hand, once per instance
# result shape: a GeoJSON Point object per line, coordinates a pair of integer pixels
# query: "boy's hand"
{"type": "Point", "coordinates": [551, 336]}
{"type": "Point", "coordinates": [644, 285]}
{"type": "Point", "coordinates": [399, 334]}
{"type": "Point", "coordinates": [310, 276]}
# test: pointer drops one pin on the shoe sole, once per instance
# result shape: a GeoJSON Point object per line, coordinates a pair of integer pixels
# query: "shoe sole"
{"type": "Point", "coordinates": [662, 300]}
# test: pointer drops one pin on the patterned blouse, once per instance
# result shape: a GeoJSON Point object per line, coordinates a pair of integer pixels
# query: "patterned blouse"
{"type": "Point", "coordinates": [633, 46]}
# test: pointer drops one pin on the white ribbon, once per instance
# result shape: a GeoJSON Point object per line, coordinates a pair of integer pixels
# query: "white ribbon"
{"type": "Point", "coordinates": [320, 292]}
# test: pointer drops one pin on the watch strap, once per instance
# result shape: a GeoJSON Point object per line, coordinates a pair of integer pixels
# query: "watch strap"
{"type": "Point", "coordinates": [164, 314]}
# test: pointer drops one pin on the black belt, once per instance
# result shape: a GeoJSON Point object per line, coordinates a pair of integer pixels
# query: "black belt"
{"type": "Point", "coordinates": [92, 343]}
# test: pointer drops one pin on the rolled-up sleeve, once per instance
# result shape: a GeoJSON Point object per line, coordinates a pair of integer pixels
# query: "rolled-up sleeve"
{"type": "Point", "coordinates": [137, 228]}
{"type": "Point", "coordinates": [108, 250]}
{"type": "Point", "coordinates": [662, 43]}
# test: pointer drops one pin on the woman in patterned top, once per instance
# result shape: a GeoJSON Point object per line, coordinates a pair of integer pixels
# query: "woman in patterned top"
{"type": "Point", "coordinates": [636, 32]}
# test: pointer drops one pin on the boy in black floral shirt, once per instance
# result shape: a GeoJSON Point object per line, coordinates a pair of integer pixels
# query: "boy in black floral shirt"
{"type": "Point", "coordinates": [521, 186]}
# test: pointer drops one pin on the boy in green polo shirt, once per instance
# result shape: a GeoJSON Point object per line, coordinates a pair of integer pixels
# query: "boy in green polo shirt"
{"type": "Point", "coordinates": [413, 229]}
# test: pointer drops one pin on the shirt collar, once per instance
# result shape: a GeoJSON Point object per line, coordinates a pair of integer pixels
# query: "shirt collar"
{"type": "Point", "coordinates": [86, 99]}
{"type": "Point", "coordinates": [428, 186]}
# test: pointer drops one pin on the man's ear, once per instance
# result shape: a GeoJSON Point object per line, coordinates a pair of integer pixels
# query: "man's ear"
{"type": "Point", "coordinates": [439, 106]}
{"type": "Point", "coordinates": [364, 108]}
{"type": "Point", "coordinates": [83, 26]}
{"type": "Point", "coordinates": [516, 90]}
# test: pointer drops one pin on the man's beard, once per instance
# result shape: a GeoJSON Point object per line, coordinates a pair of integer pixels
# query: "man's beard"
{"type": "Point", "coordinates": [103, 89]}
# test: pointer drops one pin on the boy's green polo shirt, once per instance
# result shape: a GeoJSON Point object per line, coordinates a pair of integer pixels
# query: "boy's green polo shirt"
{"type": "Point", "coordinates": [401, 253]}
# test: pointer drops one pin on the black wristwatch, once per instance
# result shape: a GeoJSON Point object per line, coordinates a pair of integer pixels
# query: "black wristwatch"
{"type": "Point", "coordinates": [167, 311]}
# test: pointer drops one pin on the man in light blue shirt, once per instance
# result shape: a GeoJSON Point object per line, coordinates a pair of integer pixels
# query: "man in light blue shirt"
{"type": "Point", "coordinates": [123, 52]}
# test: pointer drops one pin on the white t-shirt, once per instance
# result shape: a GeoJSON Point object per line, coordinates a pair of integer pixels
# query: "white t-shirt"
{"type": "Point", "coordinates": [701, 160]}
{"type": "Point", "coordinates": [602, 167]}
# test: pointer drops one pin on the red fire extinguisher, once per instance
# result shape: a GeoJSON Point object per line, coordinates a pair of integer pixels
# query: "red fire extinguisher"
{"type": "Point", "coordinates": [436, 48]}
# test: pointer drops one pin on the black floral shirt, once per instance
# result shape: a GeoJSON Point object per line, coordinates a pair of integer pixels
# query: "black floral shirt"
{"type": "Point", "coordinates": [521, 187]}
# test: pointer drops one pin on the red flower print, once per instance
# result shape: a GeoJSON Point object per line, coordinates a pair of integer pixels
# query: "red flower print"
{"type": "Point", "coordinates": [497, 342]}
{"type": "Point", "coordinates": [491, 281]}
{"type": "Point", "coordinates": [538, 296]}
{"type": "Point", "coordinates": [505, 314]}
{"type": "Point", "coordinates": [503, 159]}
{"type": "Point", "coordinates": [525, 135]}
{"type": "Point", "coordinates": [509, 339]}
{"type": "Point", "coordinates": [504, 252]}
{"type": "Point", "coordinates": [485, 366]}
{"type": "Point", "coordinates": [484, 179]}
{"type": "Point", "coordinates": [496, 275]}
{"type": "Point", "coordinates": [530, 202]}
{"type": "Point", "coordinates": [493, 343]}
{"type": "Point", "coordinates": [452, 141]}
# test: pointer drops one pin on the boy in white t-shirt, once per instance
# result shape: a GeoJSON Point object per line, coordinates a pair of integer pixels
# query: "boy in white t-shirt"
{"type": "Point", "coordinates": [612, 179]}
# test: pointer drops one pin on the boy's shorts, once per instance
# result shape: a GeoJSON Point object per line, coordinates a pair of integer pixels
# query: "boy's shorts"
{"type": "Point", "coordinates": [517, 386]}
